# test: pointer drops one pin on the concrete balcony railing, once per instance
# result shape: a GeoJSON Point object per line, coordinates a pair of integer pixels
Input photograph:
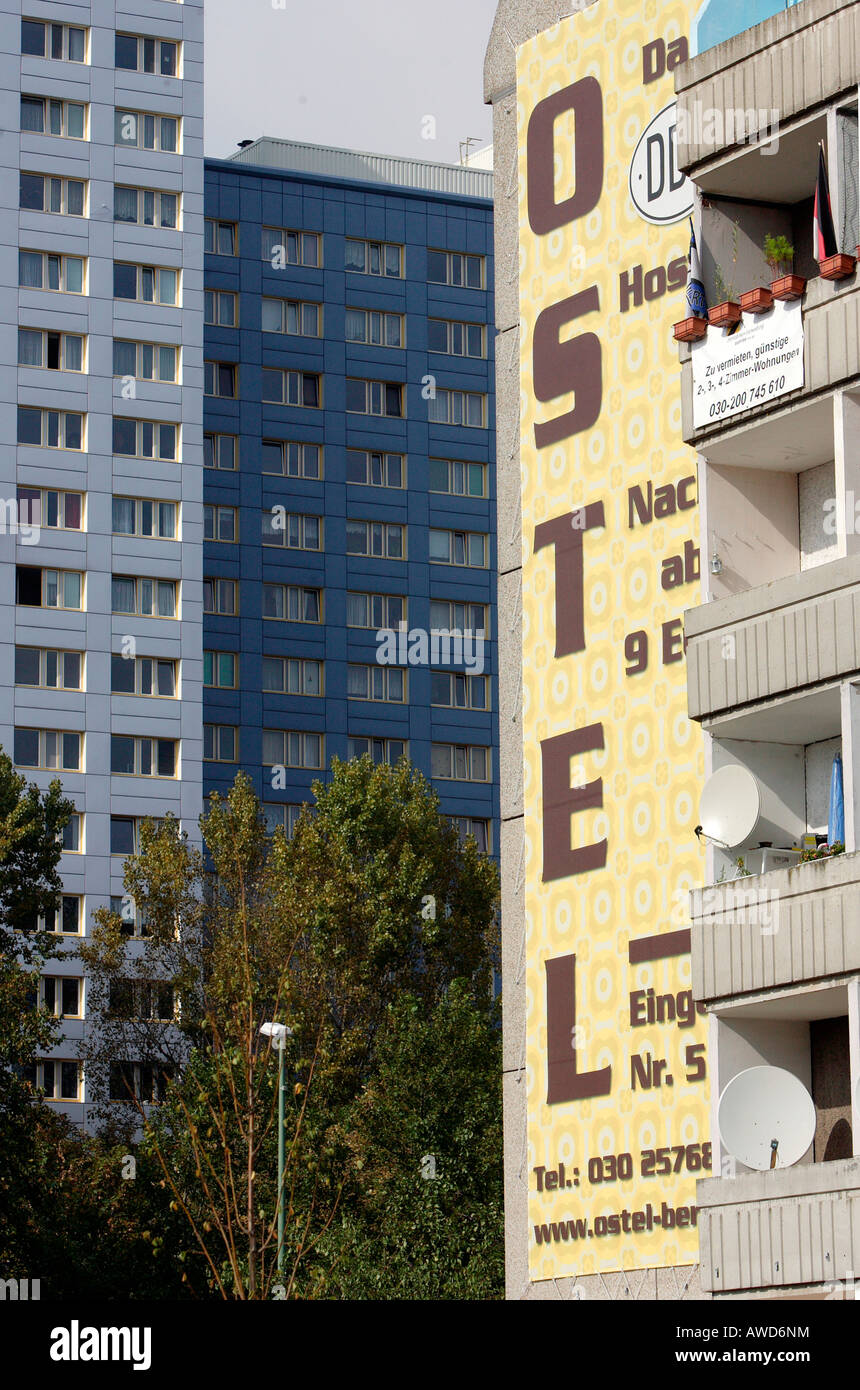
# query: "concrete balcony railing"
{"type": "Point", "coordinates": [798, 631]}
{"type": "Point", "coordinates": [795, 1226]}
{"type": "Point", "coordinates": [783, 928]}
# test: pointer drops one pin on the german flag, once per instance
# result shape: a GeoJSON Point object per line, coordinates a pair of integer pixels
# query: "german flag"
{"type": "Point", "coordinates": [823, 233]}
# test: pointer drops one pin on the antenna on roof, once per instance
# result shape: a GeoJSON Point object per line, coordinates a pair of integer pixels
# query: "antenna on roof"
{"type": "Point", "coordinates": [464, 147]}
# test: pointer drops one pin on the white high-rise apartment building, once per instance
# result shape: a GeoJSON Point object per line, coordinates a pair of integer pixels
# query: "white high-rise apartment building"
{"type": "Point", "coordinates": [101, 278]}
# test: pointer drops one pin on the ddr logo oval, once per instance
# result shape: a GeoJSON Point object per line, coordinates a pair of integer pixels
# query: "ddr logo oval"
{"type": "Point", "coordinates": [660, 192]}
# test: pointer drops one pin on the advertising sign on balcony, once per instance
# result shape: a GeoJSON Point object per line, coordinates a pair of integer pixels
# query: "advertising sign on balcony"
{"type": "Point", "coordinates": [745, 369]}
{"type": "Point", "coordinates": [618, 1121]}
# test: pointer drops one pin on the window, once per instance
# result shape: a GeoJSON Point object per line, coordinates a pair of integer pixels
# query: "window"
{"type": "Point", "coordinates": [282, 816]}
{"type": "Point", "coordinates": [145, 439]}
{"type": "Point", "coordinates": [374, 257]}
{"type": "Point", "coordinates": [292, 675]}
{"type": "Point", "coordinates": [221, 308]}
{"type": "Point", "coordinates": [288, 458]}
{"type": "Point", "coordinates": [375, 469]}
{"type": "Point", "coordinates": [67, 919]}
{"type": "Point", "coordinates": [42, 270]}
{"type": "Point", "coordinates": [461, 479]}
{"type": "Point", "coordinates": [143, 757]}
{"type": "Point", "coordinates": [373, 326]}
{"type": "Point", "coordinates": [62, 995]}
{"type": "Point", "coordinates": [48, 193]}
{"type": "Point", "coordinates": [145, 361]}
{"type": "Point", "coordinates": [149, 284]}
{"type": "Point", "coordinates": [220, 238]}
{"type": "Point", "coordinates": [139, 53]}
{"type": "Point", "coordinates": [61, 511]}
{"type": "Point", "coordinates": [146, 130]}
{"type": "Point", "coordinates": [221, 670]}
{"type": "Point", "coordinates": [219, 596]}
{"type": "Point", "coordinates": [220, 379]}
{"type": "Point", "coordinates": [220, 743]}
{"type": "Point", "coordinates": [49, 116]}
{"type": "Point", "coordinates": [133, 921]}
{"type": "Point", "coordinates": [58, 352]}
{"type": "Point", "coordinates": [220, 523]}
{"type": "Point", "coordinates": [66, 42]}
{"type": "Point", "coordinates": [142, 675]}
{"type": "Point", "coordinates": [291, 529]}
{"type": "Point", "coordinates": [375, 611]}
{"type": "Point", "coordinates": [72, 835]}
{"type": "Point", "coordinates": [139, 1081]}
{"type": "Point", "coordinates": [151, 598]}
{"type": "Point", "coordinates": [459, 548]}
{"type": "Point", "coordinates": [50, 669]}
{"type": "Point", "coordinates": [220, 451]}
{"type": "Point", "coordinates": [292, 316]}
{"type": "Point", "coordinates": [281, 247]}
{"type": "Point", "coordinates": [292, 388]}
{"type": "Point", "coordinates": [293, 603]}
{"type": "Point", "coordinates": [378, 538]}
{"type": "Point", "coordinates": [455, 268]}
{"type": "Point", "coordinates": [447, 615]}
{"type": "Point", "coordinates": [147, 207]}
{"type": "Point", "coordinates": [453, 690]}
{"type": "Point", "coordinates": [49, 748]}
{"type": "Point", "coordinates": [125, 832]}
{"type": "Point", "coordinates": [50, 429]}
{"type": "Point", "coordinates": [456, 339]}
{"type": "Point", "coordinates": [58, 1079]}
{"type": "Point", "coordinates": [286, 749]}
{"type": "Point", "coordinates": [457, 408]}
{"type": "Point", "coordinates": [460, 762]}
{"type": "Point", "coordinates": [385, 683]}
{"type": "Point", "coordinates": [374, 397]}
{"type": "Point", "coordinates": [381, 750]}
{"type": "Point", "coordinates": [142, 999]}
{"type": "Point", "coordinates": [142, 516]}
{"type": "Point", "coordinates": [42, 588]}
{"type": "Point", "coordinates": [477, 828]}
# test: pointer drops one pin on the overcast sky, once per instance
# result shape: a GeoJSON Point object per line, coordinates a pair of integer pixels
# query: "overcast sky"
{"type": "Point", "coordinates": [362, 75]}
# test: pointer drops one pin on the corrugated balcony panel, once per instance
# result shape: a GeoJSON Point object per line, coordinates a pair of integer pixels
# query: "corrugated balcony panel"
{"type": "Point", "coordinates": [803, 925]}
{"type": "Point", "coordinates": [795, 1226]}
{"type": "Point", "coordinates": [794, 632]}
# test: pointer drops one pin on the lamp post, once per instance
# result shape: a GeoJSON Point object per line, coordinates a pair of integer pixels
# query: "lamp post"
{"type": "Point", "coordinates": [279, 1032]}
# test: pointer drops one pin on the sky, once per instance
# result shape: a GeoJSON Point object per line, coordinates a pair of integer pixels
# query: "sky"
{"type": "Point", "coordinates": [363, 75]}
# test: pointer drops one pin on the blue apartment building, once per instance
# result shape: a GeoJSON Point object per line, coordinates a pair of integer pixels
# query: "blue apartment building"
{"type": "Point", "coordinates": [349, 478]}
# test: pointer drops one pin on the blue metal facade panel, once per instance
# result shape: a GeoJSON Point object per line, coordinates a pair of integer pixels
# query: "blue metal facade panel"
{"type": "Point", "coordinates": [336, 209]}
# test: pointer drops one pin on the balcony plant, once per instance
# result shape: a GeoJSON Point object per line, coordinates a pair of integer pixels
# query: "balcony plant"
{"type": "Point", "coordinates": [822, 852]}
{"type": "Point", "coordinates": [779, 253]}
{"type": "Point", "coordinates": [728, 310]}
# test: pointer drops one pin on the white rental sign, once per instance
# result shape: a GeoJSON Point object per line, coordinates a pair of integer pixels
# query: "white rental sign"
{"type": "Point", "coordinates": [761, 360]}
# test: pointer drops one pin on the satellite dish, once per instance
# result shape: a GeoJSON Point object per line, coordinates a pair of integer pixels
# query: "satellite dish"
{"type": "Point", "coordinates": [730, 808]}
{"type": "Point", "coordinates": [766, 1118]}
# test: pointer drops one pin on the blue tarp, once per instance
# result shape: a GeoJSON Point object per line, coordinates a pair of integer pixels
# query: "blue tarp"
{"type": "Point", "coordinates": [836, 819]}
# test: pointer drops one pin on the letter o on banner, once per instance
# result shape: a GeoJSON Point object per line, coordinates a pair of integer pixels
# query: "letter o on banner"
{"type": "Point", "coordinates": [585, 100]}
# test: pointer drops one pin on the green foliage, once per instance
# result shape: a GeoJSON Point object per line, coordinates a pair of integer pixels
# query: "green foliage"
{"type": "Point", "coordinates": [778, 252]}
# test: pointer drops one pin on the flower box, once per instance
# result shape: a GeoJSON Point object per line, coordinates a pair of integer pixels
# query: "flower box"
{"type": "Point", "coordinates": [788, 287]}
{"type": "Point", "coordinates": [724, 314]}
{"type": "Point", "coordinates": [838, 267]}
{"type": "Point", "coordinates": [757, 301]}
{"type": "Point", "coordinates": [689, 330]}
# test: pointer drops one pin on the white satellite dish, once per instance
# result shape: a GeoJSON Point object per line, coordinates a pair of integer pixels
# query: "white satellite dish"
{"type": "Point", "coordinates": [766, 1118]}
{"type": "Point", "coordinates": [730, 807]}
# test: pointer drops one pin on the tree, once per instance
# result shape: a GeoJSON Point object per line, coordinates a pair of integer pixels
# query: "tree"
{"type": "Point", "coordinates": [31, 825]}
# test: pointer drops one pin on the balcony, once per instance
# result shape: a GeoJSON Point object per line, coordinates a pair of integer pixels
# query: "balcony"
{"type": "Point", "coordinates": [792, 1228]}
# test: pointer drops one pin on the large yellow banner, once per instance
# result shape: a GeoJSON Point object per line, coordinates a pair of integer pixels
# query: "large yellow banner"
{"type": "Point", "coordinates": [617, 1080]}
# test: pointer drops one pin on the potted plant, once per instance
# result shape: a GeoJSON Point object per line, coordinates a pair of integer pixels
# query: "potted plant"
{"type": "Point", "coordinates": [728, 310]}
{"type": "Point", "coordinates": [779, 252]}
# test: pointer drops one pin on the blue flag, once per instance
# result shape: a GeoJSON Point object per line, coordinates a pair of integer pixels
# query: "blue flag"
{"type": "Point", "coordinates": [697, 302]}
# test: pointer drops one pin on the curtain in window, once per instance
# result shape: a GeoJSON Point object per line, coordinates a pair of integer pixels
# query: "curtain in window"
{"type": "Point", "coordinates": [29, 348]}
{"type": "Point", "coordinates": [30, 269]}
{"type": "Point", "coordinates": [125, 204]}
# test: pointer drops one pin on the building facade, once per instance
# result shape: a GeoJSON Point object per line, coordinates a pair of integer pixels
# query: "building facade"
{"type": "Point", "coordinates": [711, 565]}
{"type": "Point", "coordinates": [102, 547]}
{"type": "Point", "coordinates": [349, 559]}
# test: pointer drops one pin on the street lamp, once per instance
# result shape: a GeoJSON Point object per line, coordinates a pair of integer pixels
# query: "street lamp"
{"type": "Point", "coordinates": [279, 1032]}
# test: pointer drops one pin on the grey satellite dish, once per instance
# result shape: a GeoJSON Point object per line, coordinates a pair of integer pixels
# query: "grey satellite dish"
{"type": "Point", "coordinates": [736, 809]}
{"type": "Point", "coordinates": [766, 1118]}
